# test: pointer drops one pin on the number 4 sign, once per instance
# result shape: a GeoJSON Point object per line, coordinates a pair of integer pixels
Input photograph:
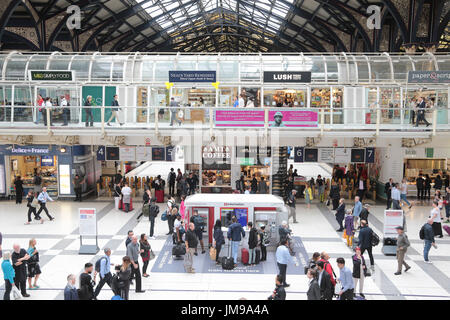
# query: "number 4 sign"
{"type": "Point", "coordinates": [101, 153]}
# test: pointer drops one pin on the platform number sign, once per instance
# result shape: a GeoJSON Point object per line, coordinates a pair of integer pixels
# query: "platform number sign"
{"type": "Point", "coordinates": [370, 155]}
{"type": "Point", "coordinates": [101, 153]}
{"type": "Point", "coordinates": [298, 154]}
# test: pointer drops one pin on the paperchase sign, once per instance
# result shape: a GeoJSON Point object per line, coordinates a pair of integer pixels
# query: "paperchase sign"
{"type": "Point", "coordinates": [287, 76]}
{"type": "Point", "coordinates": [429, 77]}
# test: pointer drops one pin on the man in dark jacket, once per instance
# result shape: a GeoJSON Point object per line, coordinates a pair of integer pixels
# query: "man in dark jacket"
{"type": "Point", "coordinates": [19, 259]}
{"type": "Point", "coordinates": [70, 291]}
{"type": "Point", "coordinates": [340, 214]}
{"type": "Point", "coordinates": [291, 204]}
{"type": "Point", "coordinates": [235, 231]}
{"type": "Point", "coordinates": [279, 293]}
{"type": "Point", "coordinates": [334, 194]}
{"type": "Point", "coordinates": [428, 239]}
{"type": "Point", "coordinates": [252, 243]}
{"type": "Point", "coordinates": [365, 241]}
{"type": "Point", "coordinates": [114, 111]}
{"type": "Point", "coordinates": [387, 190]}
{"type": "Point", "coordinates": [199, 225]}
{"type": "Point", "coordinates": [154, 210]}
{"type": "Point", "coordinates": [86, 283]}
{"type": "Point", "coordinates": [171, 179]}
{"type": "Point", "coordinates": [364, 215]}
{"type": "Point", "coordinates": [191, 242]}
{"type": "Point", "coordinates": [324, 279]}
{"type": "Point", "coordinates": [254, 185]}
{"type": "Point", "coordinates": [421, 106]}
{"type": "Point", "coordinates": [420, 187]}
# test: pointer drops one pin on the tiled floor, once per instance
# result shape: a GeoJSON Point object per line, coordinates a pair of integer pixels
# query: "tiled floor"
{"type": "Point", "coordinates": [58, 243]}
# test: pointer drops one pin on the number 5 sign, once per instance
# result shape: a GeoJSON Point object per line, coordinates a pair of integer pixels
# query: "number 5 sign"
{"type": "Point", "coordinates": [298, 154]}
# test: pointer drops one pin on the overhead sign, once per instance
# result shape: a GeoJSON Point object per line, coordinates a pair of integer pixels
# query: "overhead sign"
{"type": "Point", "coordinates": [113, 153]}
{"type": "Point", "coordinates": [429, 77]}
{"type": "Point", "coordinates": [170, 153]}
{"type": "Point", "coordinates": [342, 155]}
{"type": "Point", "coordinates": [192, 76]}
{"type": "Point", "coordinates": [88, 222]}
{"type": "Point", "coordinates": [143, 153]}
{"type": "Point", "coordinates": [216, 152]}
{"type": "Point", "coordinates": [47, 161]}
{"type": "Point", "coordinates": [298, 154]}
{"type": "Point", "coordinates": [370, 155]}
{"type": "Point", "coordinates": [311, 155]}
{"type": "Point", "coordinates": [392, 220]}
{"type": "Point", "coordinates": [357, 155]}
{"type": "Point", "coordinates": [127, 153]}
{"type": "Point", "coordinates": [101, 153]}
{"type": "Point", "coordinates": [287, 76]}
{"type": "Point", "coordinates": [48, 75]}
{"type": "Point", "coordinates": [326, 155]}
{"type": "Point", "coordinates": [158, 153]}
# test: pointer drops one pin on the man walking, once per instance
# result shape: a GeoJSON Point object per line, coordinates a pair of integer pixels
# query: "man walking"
{"type": "Point", "coordinates": [356, 211]}
{"type": "Point", "coordinates": [199, 225]}
{"type": "Point", "coordinates": [172, 178]}
{"type": "Point", "coordinates": [191, 243]}
{"type": "Point", "coordinates": [346, 280]}
{"type": "Point", "coordinates": [325, 284]}
{"type": "Point", "coordinates": [154, 210]}
{"type": "Point", "coordinates": [114, 111]}
{"type": "Point", "coordinates": [70, 291]}
{"type": "Point", "coordinates": [428, 239]}
{"type": "Point", "coordinates": [88, 112]}
{"type": "Point", "coordinates": [43, 198]}
{"type": "Point", "coordinates": [87, 283]}
{"type": "Point", "coordinates": [133, 252]}
{"type": "Point", "coordinates": [19, 258]}
{"type": "Point", "coordinates": [402, 247]}
{"type": "Point", "coordinates": [235, 231]}
{"type": "Point", "coordinates": [365, 241]}
{"type": "Point", "coordinates": [283, 258]}
{"type": "Point", "coordinates": [77, 187]}
{"type": "Point", "coordinates": [421, 112]}
{"type": "Point", "coordinates": [420, 184]}
{"type": "Point", "coordinates": [65, 110]}
{"type": "Point", "coordinates": [291, 204]}
{"type": "Point", "coordinates": [173, 110]}
{"type": "Point", "coordinates": [105, 271]}
{"type": "Point", "coordinates": [387, 190]}
{"type": "Point", "coordinates": [396, 197]}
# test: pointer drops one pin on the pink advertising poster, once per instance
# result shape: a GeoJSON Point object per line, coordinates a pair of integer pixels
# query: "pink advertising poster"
{"type": "Point", "coordinates": [255, 118]}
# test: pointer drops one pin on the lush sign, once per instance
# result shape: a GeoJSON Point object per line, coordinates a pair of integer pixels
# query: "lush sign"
{"type": "Point", "coordinates": [287, 76]}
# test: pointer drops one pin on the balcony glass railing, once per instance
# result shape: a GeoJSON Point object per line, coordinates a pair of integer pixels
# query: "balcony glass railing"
{"type": "Point", "coordinates": [310, 119]}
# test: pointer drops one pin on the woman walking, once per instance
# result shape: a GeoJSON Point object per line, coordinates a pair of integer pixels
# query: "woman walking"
{"type": "Point", "coordinates": [435, 214]}
{"type": "Point", "coordinates": [8, 274]}
{"type": "Point", "coordinates": [219, 239]}
{"type": "Point", "coordinates": [308, 196]}
{"type": "Point", "coordinates": [340, 214]}
{"type": "Point", "coordinates": [252, 244]}
{"type": "Point", "coordinates": [334, 194]}
{"type": "Point", "coordinates": [349, 228]}
{"type": "Point", "coordinates": [34, 270]}
{"type": "Point", "coordinates": [18, 183]}
{"type": "Point", "coordinates": [359, 270]}
{"type": "Point", "coordinates": [404, 193]}
{"type": "Point", "coordinates": [145, 253]}
{"type": "Point", "coordinates": [123, 278]}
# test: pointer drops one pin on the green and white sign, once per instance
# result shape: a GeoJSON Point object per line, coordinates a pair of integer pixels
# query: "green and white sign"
{"type": "Point", "coordinates": [48, 75]}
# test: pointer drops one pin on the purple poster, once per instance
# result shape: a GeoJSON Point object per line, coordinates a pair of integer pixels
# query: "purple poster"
{"type": "Point", "coordinates": [255, 118]}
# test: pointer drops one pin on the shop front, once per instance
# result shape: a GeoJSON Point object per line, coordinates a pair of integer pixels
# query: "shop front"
{"type": "Point", "coordinates": [216, 169]}
{"type": "Point", "coordinates": [254, 162]}
{"type": "Point", "coordinates": [56, 166]}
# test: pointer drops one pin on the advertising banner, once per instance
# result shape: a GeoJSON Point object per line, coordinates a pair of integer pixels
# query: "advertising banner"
{"type": "Point", "coordinates": [357, 155]}
{"type": "Point", "coordinates": [342, 155]}
{"type": "Point", "coordinates": [47, 75]}
{"type": "Point", "coordinates": [158, 153]}
{"type": "Point", "coordinates": [429, 77]}
{"type": "Point", "coordinates": [255, 118]}
{"type": "Point", "coordinates": [392, 219]}
{"type": "Point", "coordinates": [64, 179]}
{"type": "Point", "coordinates": [287, 76]}
{"type": "Point", "coordinates": [88, 222]}
{"type": "Point", "coordinates": [326, 155]}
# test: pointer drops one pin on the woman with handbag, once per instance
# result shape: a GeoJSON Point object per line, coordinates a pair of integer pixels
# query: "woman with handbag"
{"type": "Point", "coordinates": [34, 270]}
{"type": "Point", "coordinates": [8, 275]}
{"type": "Point", "coordinates": [219, 239]}
{"type": "Point", "coordinates": [32, 203]}
{"type": "Point", "coordinates": [359, 270]}
{"type": "Point", "coordinates": [123, 278]}
{"type": "Point", "coordinates": [145, 253]}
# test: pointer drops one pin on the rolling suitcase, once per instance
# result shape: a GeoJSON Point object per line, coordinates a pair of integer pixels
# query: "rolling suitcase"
{"type": "Point", "coordinates": [159, 196]}
{"type": "Point", "coordinates": [178, 250]}
{"type": "Point", "coordinates": [228, 262]}
{"type": "Point", "coordinates": [257, 256]}
{"type": "Point", "coordinates": [447, 229]}
{"type": "Point", "coordinates": [244, 256]}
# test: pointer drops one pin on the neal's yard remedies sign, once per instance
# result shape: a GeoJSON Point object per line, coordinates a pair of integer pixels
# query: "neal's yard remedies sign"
{"type": "Point", "coordinates": [429, 77]}
{"type": "Point", "coordinates": [51, 75]}
{"type": "Point", "coordinates": [287, 76]}
{"type": "Point", "coordinates": [192, 76]}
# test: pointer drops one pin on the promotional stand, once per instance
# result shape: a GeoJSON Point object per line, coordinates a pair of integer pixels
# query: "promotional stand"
{"type": "Point", "coordinates": [392, 220]}
{"type": "Point", "coordinates": [88, 228]}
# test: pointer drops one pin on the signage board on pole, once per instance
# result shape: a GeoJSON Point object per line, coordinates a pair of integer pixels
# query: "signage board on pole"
{"type": "Point", "coordinates": [392, 220]}
{"type": "Point", "coordinates": [88, 228]}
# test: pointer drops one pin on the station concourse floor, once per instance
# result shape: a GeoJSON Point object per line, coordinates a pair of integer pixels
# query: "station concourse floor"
{"type": "Point", "coordinates": [58, 243]}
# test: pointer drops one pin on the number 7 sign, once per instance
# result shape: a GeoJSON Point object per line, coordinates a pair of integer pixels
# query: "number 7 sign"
{"type": "Point", "coordinates": [370, 155]}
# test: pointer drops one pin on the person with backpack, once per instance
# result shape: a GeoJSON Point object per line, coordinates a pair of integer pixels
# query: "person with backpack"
{"type": "Point", "coordinates": [43, 198]}
{"type": "Point", "coordinates": [171, 179]}
{"type": "Point", "coordinates": [191, 242]}
{"type": "Point", "coordinates": [402, 246]}
{"type": "Point", "coordinates": [199, 225]}
{"type": "Point", "coordinates": [252, 243]}
{"type": "Point", "coordinates": [103, 267]}
{"type": "Point", "coordinates": [427, 235]}
{"type": "Point", "coordinates": [122, 278]}
{"type": "Point", "coordinates": [153, 213]}
{"type": "Point", "coordinates": [365, 241]}
{"type": "Point", "coordinates": [86, 291]}
{"type": "Point", "coordinates": [324, 280]}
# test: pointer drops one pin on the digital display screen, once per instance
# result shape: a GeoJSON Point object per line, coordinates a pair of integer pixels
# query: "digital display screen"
{"type": "Point", "coordinates": [227, 213]}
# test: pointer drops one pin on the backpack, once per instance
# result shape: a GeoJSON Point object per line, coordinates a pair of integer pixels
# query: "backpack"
{"type": "Point", "coordinates": [98, 264]}
{"type": "Point", "coordinates": [154, 210]}
{"type": "Point", "coordinates": [422, 233]}
{"type": "Point", "coordinates": [146, 210]}
{"type": "Point", "coordinates": [172, 177]}
{"type": "Point", "coordinates": [375, 239]}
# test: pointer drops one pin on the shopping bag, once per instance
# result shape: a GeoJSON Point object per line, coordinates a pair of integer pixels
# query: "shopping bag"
{"type": "Point", "coordinates": [16, 293]}
{"type": "Point", "coordinates": [212, 253]}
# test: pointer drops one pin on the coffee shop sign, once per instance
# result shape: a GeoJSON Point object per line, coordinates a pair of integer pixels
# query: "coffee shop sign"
{"type": "Point", "coordinates": [213, 152]}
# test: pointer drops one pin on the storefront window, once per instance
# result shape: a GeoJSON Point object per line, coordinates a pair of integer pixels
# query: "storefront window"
{"type": "Point", "coordinates": [250, 97]}
{"type": "Point", "coordinates": [160, 98]}
{"type": "Point", "coordinates": [227, 97]}
{"type": "Point", "coordinates": [142, 100]}
{"type": "Point", "coordinates": [162, 70]}
{"type": "Point", "coordinates": [228, 71]}
{"type": "Point", "coordinates": [5, 103]}
{"type": "Point", "coordinates": [285, 98]}
{"type": "Point", "coordinates": [320, 98]}
{"type": "Point", "coordinates": [390, 103]}
{"type": "Point", "coordinates": [22, 97]}
{"type": "Point", "coordinates": [371, 103]}
{"type": "Point", "coordinates": [337, 102]}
